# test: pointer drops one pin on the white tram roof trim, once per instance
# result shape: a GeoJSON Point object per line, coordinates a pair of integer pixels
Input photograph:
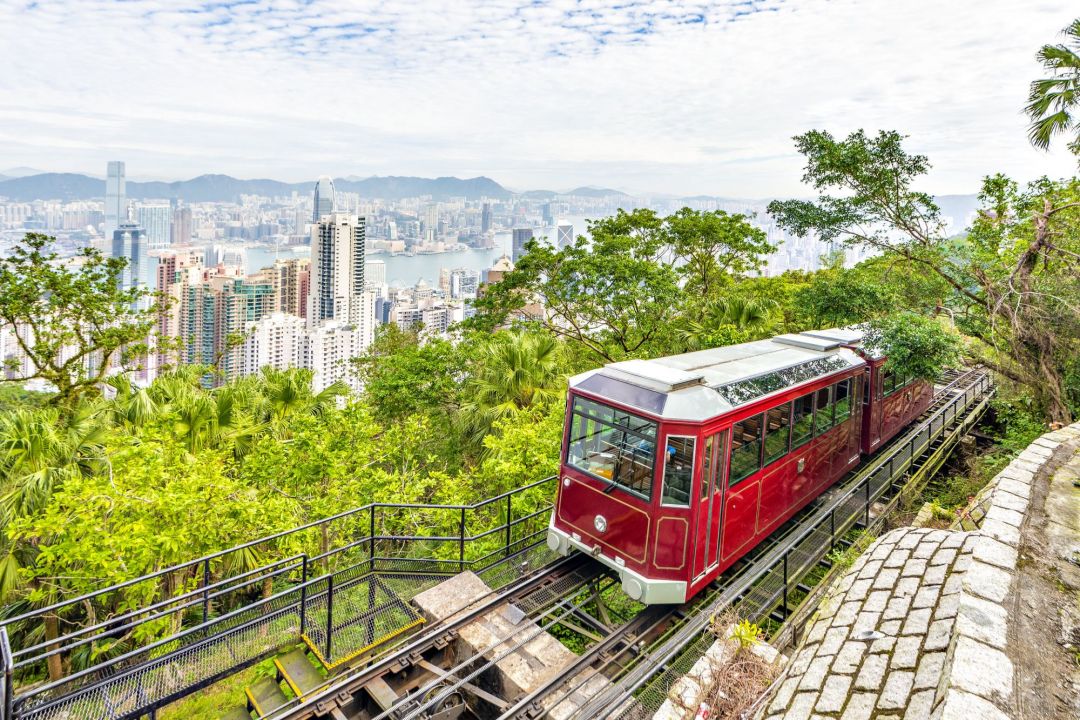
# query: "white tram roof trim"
{"type": "Point", "coordinates": [690, 386]}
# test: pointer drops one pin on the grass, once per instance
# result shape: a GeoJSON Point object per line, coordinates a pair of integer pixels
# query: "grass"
{"type": "Point", "coordinates": [209, 703]}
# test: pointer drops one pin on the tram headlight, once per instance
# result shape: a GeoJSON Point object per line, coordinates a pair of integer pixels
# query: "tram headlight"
{"type": "Point", "coordinates": [600, 523]}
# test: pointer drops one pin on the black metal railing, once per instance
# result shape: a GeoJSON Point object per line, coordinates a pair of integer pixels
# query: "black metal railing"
{"type": "Point", "coordinates": [342, 600]}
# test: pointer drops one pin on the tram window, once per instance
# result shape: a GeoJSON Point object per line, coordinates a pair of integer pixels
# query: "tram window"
{"type": "Point", "coordinates": [842, 395]}
{"type": "Point", "coordinates": [823, 411]}
{"type": "Point", "coordinates": [678, 470]}
{"type": "Point", "coordinates": [802, 423]}
{"type": "Point", "coordinates": [889, 384]}
{"type": "Point", "coordinates": [745, 448]}
{"type": "Point", "coordinates": [613, 445]}
{"type": "Point", "coordinates": [777, 432]}
{"type": "Point", "coordinates": [706, 466]}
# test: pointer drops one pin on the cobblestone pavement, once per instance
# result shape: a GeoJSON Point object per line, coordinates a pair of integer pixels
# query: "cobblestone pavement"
{"type": "Point", "coordinates": [917, 628]}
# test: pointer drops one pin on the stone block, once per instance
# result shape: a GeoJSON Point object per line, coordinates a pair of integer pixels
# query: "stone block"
{"type": "Point", "coordinates": [897, 607]}
{"type": "Point", "coordinates": [801, 707]}
{"type": "Point", "coordinates": [896, 559]}
{"type": "Point", "coordinates": [924, 550]}
{"type": "Point", "coordinates": [866, 621]}
{"type": "Point", "coordinates": [914, 567]}
{"type": "Point", "coordinates": [906, 586]}
{"type": "Point", "coordinates": [987, 581]}
{"type": "Point", "coordinates": [1014, 487]}
{"type": "Point", "coordinates": [858, 590]}
{"type": "Point", "coordinates": [931, 666]}
{"type": "Point", "coordinates": [944, 556]}
{"type": "Point", "coordinates": [1002, 532]}
{"type": "Point", "coordinates": [920, 706]}
{"type": "Point", "coordinates": [935, 575]}
{"type": "Point", "coordinates": [982, 620]}
{"type": "Point", "coordinates": [926, 597]}
{"type": "Point", "coordinates": [959, 705]}
{"type": "Point", "coordinates": [885, 644]}
{"type": "Point", "coordinates": [981, 670]}
{"type": "Point", "coordinates": [890, 627]}
{"type": "Point", "coordinates": [906, 653]}
{"type": "Point", "coordinates": [860, 707]}
{"type": "Point", "coordinates": [872, 673]}
{"type": "Point", "coordinates": [947, 607]}
{"type": "Point", "coordinates": [848, 659]}
{"type": "Point", "coordinates": [886, 579]}
{"type": "Point", "coordinates": [954, 541]}
{"type": "Point", "coordinates": [1005, 515]}
{"type": "Point", "coordinates": [833, 694]}
{"type": "Point", "coordinates": [894, 695]}
{"type": "Point", "coordinates": [917, 623]}
{"type": "Point", "coordinates": [847, 613]}
{"type": "Point", "coordinates": [784, 694]}
{"type": "Point", "coordinates": [910, 540]}
{"type": "Point", "coordinates": [870, 569]}
{"type": "Point", "coordinates": [876, 601]}
{"type": "Point", "coordinates": [834, 638]}
{"type": "Point", "coordinates": [815, 673]}
{"type": "Point", "coordinates": [939, 634]}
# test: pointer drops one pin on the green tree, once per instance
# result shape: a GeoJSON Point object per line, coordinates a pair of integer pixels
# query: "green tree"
{"type": "Point", "coordinates": [915, 345]}
{"type": "Point", "coordinates": [725, 321]}
{"type": "Point", "coordinates": [404, 373]}
{"type": "Point", "coordinates": [1054, 101]}
{"type": "Point", "coordinates": [514, 371]}
{"type": "Point", "coordinates": [613, 296]}
{"type": "Point", "coordinates": [714, 247]}
{"type": "Point", "coordinates": [70, 318]}
{"type": "Point", "coordinates": [1011, 281]}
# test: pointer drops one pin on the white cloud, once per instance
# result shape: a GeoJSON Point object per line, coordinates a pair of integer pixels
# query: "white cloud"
{"type": "Point", "coordinates": [655, 95]}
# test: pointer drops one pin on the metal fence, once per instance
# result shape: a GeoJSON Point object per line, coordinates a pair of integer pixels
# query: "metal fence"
{"type": "Point", "coordinates": [342, 601]}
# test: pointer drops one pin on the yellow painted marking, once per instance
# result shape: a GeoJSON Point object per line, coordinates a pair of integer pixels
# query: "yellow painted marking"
{"type": "Point", "coordinates": [361, 651]}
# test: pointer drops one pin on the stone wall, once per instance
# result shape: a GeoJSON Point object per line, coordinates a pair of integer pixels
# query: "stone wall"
{"type": "Point", "coordinates": [918, 627]}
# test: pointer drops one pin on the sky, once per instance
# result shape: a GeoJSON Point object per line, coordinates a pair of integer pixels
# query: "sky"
{"type": "Point", "coordinates": [648, 96]}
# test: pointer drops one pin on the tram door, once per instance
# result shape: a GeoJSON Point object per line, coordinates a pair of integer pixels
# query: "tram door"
{"type": "Point", "coordinates": [707, 533]}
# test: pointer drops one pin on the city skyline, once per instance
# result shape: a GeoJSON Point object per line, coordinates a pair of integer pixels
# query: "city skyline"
{"type": "Point", "coordinates": [648, 98]}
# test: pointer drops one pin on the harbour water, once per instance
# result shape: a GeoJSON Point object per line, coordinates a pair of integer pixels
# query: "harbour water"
{"type": "Point", "coordinates": [405, 270]}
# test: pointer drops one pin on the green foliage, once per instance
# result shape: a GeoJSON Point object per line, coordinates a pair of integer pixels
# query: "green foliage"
{"type": "Point", "coordinates": [621, 295]}
{"type": "Point", "coordinates": [747, 634]}
{"type": "Point", "coordinates": [1054, 101]}
{"type": "Point", "coordinates": [1009, 284]}
{"type": "Point", "coordinates": [916, 346]}
{"type": "Point", "coordinates": [70, 318]}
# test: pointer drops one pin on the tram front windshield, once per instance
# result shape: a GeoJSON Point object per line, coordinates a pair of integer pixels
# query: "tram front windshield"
{"type": "Point", "coordinates": [613, 445]}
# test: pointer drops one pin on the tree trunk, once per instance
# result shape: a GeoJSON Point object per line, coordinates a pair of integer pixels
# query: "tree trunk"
{"type": "Point", "coordinates": [52, 632]}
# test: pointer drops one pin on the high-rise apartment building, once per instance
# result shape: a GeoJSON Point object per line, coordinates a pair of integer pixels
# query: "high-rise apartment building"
{"type": "Point", "coordinates": [325, 199]}
{"type": "Point", "coordinates": [292, 285]}
{"type": "Point", "coordinates": [374, 274]}
{"type": "Point", "coordinates": [485, 218]}
{"type": "Point", "coordinates": [156, 221]}
{"type": "Point", "coordinates": [565, 235]}
{"type": "Point", "coordinates": [520, 237]}
{"type": "Point", "coordinates": [337, 268]}
{"type": "Point", "coordinates": [277, 341]}
{"type": "Point", "coordinates": [115, 197]}
{"type": "Point", "coordinates": [181, 226]}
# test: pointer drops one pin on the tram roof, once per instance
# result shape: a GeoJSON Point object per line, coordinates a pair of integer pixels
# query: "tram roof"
{"type": "Point", "coordinates": [699, 385]}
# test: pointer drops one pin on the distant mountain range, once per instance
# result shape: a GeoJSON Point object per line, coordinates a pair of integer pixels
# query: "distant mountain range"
{"type": "Point", "coordinates": [223, 188]}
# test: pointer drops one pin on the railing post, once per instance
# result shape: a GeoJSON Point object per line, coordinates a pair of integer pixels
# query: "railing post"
{"type": "Point", "coordinates": [461, 543]}
{"type": "Point", "coordinates": [832, 527]}
{"type": "Point", "coordinates": [329, 614]}
{"type": "Point", "coordinates": [371, 541]}
{"type": "Point", "coordinates": [206, 592]}
{"type": "Point", "coordinates": [9, 671]}
{"type": "Point", "coordinates": [868, 498]}
{"type": "Point", "coordinates": [508, 511]}
{"type": "Point", "coordinates": [785, 586]}
{"type": "Point", "coordinates": [303, 594]}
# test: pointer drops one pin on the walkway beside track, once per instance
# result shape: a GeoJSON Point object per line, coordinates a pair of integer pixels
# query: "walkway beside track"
{"type": "Point", "coordinates": [942, 623]}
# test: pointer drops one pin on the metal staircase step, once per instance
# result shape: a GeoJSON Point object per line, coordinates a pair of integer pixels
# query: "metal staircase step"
{"type": "Point", "coordinates": [265, 696]}
{"type": "Point", "coordinates": [298, 672]}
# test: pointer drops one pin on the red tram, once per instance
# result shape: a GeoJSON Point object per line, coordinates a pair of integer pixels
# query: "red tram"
{"type": "Point", "coordinates": [674, 468]}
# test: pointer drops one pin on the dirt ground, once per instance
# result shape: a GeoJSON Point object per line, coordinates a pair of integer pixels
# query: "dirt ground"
{"type": "Point", "coordinates": [1044, 621]}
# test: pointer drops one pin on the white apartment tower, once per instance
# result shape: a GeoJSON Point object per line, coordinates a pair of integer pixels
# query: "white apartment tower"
{"type": "Point", "coordinates": [337, 269]}
{"type": "Point", "coordinates": [115, 198]}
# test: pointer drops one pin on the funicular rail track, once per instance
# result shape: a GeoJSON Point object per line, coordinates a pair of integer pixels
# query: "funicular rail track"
{"type": "Point", "coordinates": [631, 654]}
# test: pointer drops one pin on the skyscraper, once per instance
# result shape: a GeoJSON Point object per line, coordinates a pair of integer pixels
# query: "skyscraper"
{"type": "Point", "coordinates": [325, 198]}
{"type": "Point", "coordinates": [156, 220]}
{"type": "Point", "coordinates": [337, 268]}
{"type": "Point", "coordinates": [566, 236]}
{"type": "Point", "coordinates": [115, 198]}
{"type": "Point", "coordinates": [181, 226]}
{"type": "Point", "coordinates": [485, 218]}
{"type": "Point", "coordinates": [549, 214]}
{"type": "Point", "coordinates": [129, 242]}
{"type": "Point", "coordinates": [521, 236]}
